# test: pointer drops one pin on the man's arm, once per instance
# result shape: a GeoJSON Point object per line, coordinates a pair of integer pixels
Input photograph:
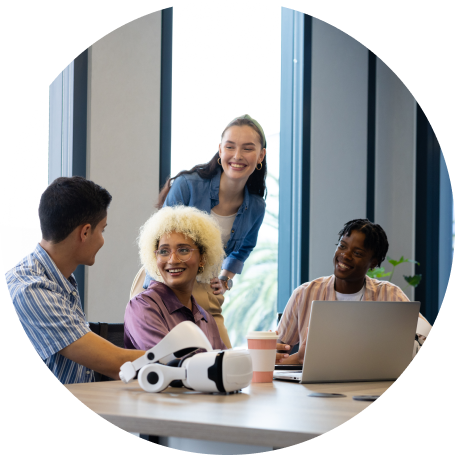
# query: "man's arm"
{"type": "Point", "coordinates": [100, 355]}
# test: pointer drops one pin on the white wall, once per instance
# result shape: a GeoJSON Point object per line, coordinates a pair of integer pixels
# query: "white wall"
{"type": "Point", "coordinates": [123, 154]}
{"type": "Point", "coordinates": [339, 103]}
{"type": "Point", "coordinates": [396, 170]}
{"type": "Point", "coordinates": [339, 106]}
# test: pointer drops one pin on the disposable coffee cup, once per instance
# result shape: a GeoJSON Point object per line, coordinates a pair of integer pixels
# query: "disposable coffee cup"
{"type": "Point", "coordinates": [262, 347]}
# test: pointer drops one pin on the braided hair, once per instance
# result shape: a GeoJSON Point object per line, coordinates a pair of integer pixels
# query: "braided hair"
{"type": "Point", "coordinates": [375, 237]}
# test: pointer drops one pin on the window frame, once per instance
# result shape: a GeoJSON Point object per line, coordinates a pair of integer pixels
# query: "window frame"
{"type": "Point", "coordinates": [434, 214]}
{"type": "Point", "coordinates": [295, 117]}
{"type": "Point", "coordinates": [68, 131]}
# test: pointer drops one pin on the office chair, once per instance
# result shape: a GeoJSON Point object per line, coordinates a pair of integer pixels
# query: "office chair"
{"type": "Point", "coordinates": [112, 332]}
{"type": "Point", "coordinates": [136, 287]}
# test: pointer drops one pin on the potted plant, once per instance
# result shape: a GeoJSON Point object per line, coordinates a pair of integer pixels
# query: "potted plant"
{"type": "Point", "coordinates": [379, 272]}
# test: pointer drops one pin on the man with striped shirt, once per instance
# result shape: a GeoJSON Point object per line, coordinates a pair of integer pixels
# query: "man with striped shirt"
{"type": "Point", "coordinates": [73, 215]}
{"type": "Point", "coordinates": [362, 245]}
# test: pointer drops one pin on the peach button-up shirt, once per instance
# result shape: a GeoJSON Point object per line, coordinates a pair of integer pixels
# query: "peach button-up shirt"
{"type": "Point", "coordinates": [296, 316]}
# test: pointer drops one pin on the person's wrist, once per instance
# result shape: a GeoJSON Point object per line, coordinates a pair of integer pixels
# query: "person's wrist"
{"type": "Point", "coordinates": [226, 282]}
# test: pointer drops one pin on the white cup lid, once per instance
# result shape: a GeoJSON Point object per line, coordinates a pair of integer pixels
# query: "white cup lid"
{"type": "Point", "coordinates": [262, 335]}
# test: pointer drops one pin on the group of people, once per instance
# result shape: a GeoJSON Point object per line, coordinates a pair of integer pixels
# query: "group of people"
{"type": "Point", "coordinates": [191, 249]}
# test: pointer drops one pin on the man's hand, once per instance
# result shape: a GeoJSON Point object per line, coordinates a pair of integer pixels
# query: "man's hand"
{"type": "Point", "coordinates": [297, 358]}
{"type": "Point", "coordinates": [281, 356]}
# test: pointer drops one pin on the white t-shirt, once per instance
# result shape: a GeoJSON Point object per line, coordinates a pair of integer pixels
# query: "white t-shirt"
{"type": "Point", "coordinates": [225, 223]}
{"type": "Point", "coordinates": [351, 297]}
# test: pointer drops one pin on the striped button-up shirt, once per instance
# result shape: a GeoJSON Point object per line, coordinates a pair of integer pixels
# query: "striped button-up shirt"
{"type": "Point", "coordinates": [49, 308]}
{"type": "Point", "coordinates": [296, 316]}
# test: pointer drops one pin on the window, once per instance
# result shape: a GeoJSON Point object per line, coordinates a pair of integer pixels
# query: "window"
{"type": "Point", "coordinates": [25, 180]}
{"type": "Point", "coordinates": [453, 228]}
{"type": "Point", "coordinates": [218, 74]}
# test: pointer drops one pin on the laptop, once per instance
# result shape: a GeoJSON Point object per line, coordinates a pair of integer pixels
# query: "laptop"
{"type": "Point", "coordinates": [357, 341]}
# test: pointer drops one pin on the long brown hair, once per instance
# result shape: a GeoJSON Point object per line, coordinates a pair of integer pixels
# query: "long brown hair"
{"type": "Point", "coordinates": [255, 183]}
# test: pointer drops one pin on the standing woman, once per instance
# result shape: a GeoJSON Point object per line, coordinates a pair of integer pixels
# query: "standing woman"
{"type": "Point", "coordinates": [231, 187]}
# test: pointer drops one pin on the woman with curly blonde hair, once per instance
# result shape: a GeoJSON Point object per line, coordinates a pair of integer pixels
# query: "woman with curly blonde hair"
{"type": "Point", "coordinates": [177, 245]}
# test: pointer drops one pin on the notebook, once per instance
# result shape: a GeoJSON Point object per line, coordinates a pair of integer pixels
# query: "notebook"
{"type": "Point", "coordinates": [357, 341]}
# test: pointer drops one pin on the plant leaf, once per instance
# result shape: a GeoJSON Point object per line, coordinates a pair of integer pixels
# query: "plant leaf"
{"type": "Point", "coordinates": [378, 272]}
{"type": "Point", "coordinates": [412, 260]}
{"type": "Point", "coordinates": [371, 273]}
{"type": "Point", "coordinates": [393, 262]}
{"type": "Point", "coordinates": [413, 280]}
{"type": "Point", "coordinates": [401, 260]}
{"type": "Point", "coordinates": [382, 275]}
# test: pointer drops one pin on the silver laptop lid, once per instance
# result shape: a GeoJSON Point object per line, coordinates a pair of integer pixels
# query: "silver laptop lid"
{"type": "Point", "coordinates": [359, 341]}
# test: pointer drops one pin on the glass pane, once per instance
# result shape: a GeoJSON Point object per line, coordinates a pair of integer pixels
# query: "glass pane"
{"type": "Point", "coordinates": [25, 181]}
{"type": "Point", "coordinates": [226, 63]}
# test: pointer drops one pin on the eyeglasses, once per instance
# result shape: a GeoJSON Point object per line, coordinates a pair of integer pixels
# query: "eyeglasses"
{"type": "Point", "coordinates": [182, 254]}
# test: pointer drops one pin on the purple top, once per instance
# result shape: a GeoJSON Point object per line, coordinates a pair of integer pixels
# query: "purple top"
{"type": "Point", "coordinates": [152, 314]}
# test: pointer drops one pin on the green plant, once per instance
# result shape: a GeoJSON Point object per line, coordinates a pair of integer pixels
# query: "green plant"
{"type": "Point", "coordinates": [379, 272]}
{"type": "Point", "coordinates": [251, 305]}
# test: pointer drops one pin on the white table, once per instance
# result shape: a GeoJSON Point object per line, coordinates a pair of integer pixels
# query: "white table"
{"type": "Point", "coordinates": [277, 414]}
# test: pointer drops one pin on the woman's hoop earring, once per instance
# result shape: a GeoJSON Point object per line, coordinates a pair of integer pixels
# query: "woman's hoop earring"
{"type": "Point", "coordinates": [200, 269]}
{"type": "Point", "coordinates": [219, 161]}
{"type": "Point", "coordinates": [259, 168]}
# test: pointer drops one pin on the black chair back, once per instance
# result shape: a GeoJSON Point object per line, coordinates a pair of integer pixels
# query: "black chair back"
{"type": "Point", "coordinates": [278, 318]}
{"type": "Point", "coordinates": [112, 332]}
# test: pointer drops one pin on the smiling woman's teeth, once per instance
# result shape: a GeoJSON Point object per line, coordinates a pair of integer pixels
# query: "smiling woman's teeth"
{"type": "Point", "coordinates": [175, 270]}
{"type": "Point", "coordinates": [342, 266]}
{"type": "Point", "coordinates": [237, 165]}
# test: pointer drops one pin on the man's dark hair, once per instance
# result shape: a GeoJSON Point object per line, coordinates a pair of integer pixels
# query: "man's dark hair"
{"type": "Point", "coordinates": [375, 237]}
{"type": "Point", "coordinates": [69, 202]}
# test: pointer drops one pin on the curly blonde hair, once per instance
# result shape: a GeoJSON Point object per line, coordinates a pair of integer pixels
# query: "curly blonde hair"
{"type": "Point", "coordinates": [193, 223]}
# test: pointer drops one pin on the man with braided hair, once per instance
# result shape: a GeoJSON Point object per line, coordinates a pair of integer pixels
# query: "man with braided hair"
{"type": "Point", "coordinates": [362, 245]}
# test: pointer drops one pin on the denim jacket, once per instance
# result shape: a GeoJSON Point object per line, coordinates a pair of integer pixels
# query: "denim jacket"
{"type": "Point", "coordinates": [194, 191]}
